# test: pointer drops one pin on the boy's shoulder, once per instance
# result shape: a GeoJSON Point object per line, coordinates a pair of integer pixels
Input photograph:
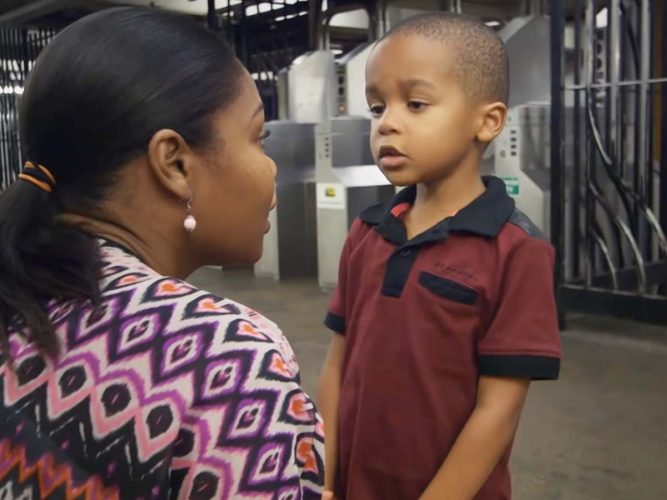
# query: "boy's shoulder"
{"type": "Point", "coordinates": [521, 221]}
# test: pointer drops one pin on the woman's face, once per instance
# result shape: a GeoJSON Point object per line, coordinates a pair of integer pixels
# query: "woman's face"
{"type": "Point", "coordinates": [234, 191]}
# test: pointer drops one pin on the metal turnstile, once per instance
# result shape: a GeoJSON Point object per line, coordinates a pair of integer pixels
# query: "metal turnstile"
{"type": "Point", "coordinates": [347, 182]}
{"type": "Point", "coordinates": [290, 248]}
{"type": "Point", "coordinates": [522, 160]}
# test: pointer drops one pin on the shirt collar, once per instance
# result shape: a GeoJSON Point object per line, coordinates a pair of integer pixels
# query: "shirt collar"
{"type": "Point", "coordinates": [484, 216]}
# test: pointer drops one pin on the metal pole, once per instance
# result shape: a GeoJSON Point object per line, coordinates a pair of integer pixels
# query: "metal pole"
{"type": "Point", "coordinates": [625, 83]}
{"type": "Point", "coordinates": [589, 215]}
{"type": "Point", "coordinates": [643, 165]}
{"type": "Point", "coordinates": [6, 108]}
{"type": "Point", "coordinates": [577, 184]}
{"type": "Point", "coordinates": [661, 13]}
{"type": "Point", "coordinates": [614, 47]}
{"type": "Point", "coordinates": [378, 18]}
{"type": "Point", "coordinates": [212, 17]}
{"type": "Point", "coordinates": [314, 23]}
{"type": "Point", "coordinates": [244, 33]}
{"type": "Point", "coordinates": [557, 184]}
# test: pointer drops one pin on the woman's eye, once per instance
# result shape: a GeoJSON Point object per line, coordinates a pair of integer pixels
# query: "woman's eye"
{"type": "Point", "coordinates": [265, 135]}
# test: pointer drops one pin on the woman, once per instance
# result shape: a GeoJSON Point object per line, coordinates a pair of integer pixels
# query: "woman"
{"type": "Point", "coordinates": [118, 379]}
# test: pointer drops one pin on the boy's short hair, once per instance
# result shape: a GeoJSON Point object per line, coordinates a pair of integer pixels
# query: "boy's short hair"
{"type": "Point", "coordinates": [480, 58]}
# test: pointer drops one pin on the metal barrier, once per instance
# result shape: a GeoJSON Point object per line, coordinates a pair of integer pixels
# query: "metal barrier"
{"type": "Point", "coordinates": [267, 37]}
{"type": "Point", "coordinates": [609, 213]}
{"type": "Point", "coordinates": [18, 50]}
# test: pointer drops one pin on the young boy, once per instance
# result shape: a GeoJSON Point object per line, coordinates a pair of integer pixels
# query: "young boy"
{"type": "Point", "coordinates": [444, 310]}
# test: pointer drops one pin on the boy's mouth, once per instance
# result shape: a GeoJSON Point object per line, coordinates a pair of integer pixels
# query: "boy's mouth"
{"type": "Point", "coordinates": [390, 151]}
{"type": "Point", "coordinates": [390, 158]}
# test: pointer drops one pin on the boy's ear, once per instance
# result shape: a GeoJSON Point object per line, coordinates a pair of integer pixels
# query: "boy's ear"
{"type": "Point", "coordinates": [493, 118]}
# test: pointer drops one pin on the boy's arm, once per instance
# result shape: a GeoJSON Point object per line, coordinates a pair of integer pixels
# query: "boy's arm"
{"type": "Point", "coordinates": [328, 404]}
{"type": "Point", "coordinates": [522, 343]}
{"type": "Point", "coordinates": [330, 378]}
{"type": "Point", "coordinates": [483, 440]}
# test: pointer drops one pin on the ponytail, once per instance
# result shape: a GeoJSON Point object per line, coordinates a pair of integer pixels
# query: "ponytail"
{"type": "Point", "coordinates": [41, 259]}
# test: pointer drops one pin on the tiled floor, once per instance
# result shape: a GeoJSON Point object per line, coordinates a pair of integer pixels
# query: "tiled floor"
{"type": "Point", "coordinates": [598, 433]}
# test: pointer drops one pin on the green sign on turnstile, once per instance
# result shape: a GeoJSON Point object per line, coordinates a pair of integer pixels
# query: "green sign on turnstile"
{"type": "Point", "coordinates": [512, 185]}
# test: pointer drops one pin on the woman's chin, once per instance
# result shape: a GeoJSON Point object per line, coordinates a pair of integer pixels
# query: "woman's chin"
{"type": "Point", "coordinates": [247, 260]}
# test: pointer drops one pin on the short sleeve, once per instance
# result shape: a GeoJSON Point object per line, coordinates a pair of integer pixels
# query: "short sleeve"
{"type": "Point", "coordinates": [335, 318]}
{"type": "Point", "coordinates": [523, 339]}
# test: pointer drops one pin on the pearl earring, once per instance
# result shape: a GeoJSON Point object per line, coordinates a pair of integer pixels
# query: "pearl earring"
{"type": "Point", "coordinates": [190, 223]}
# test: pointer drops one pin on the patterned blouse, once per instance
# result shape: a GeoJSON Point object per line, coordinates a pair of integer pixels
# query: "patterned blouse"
{"type": "Point", "coordinates": [162, 391]}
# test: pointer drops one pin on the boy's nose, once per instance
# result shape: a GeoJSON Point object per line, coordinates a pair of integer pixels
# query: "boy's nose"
{"type": "Point", "coordinates": [388, 123]}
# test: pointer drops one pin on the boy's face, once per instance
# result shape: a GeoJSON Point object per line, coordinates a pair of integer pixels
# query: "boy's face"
{"type": "Point", "coordinates": [422, 123]}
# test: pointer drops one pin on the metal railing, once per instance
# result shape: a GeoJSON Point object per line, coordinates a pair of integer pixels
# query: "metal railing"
{"type": "Point", "coordinates": [19, 49]}
{"type": "Point", "coordinates": [609, 213]}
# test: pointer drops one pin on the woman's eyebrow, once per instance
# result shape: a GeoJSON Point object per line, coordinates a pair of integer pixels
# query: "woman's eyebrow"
{"type": "Point", "coordinates": [259, 109]}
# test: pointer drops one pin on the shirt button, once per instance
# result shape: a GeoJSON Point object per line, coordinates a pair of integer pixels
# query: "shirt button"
{"type": "Point", "coordinates": [406, 252]}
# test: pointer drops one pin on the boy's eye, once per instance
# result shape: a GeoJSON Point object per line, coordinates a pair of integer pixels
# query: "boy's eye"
{"type": "Point", "coordinates": [416, 105]}
{"type": "Point", "coordinates": [377, 110]}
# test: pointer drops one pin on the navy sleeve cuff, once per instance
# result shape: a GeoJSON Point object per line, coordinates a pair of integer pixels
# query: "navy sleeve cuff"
{"type": "Point", "coordinates": [335, 323]}
{"type": "Point", "coordinates": [531, 367]}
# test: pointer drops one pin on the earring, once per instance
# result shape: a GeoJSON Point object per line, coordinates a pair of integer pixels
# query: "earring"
{"type": "Point", "coordinates": [190, 223]}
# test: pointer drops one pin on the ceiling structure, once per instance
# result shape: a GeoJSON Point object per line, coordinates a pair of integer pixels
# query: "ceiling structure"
{"type": "Point", "coordinates": [17, 12]}
{"type": "Point", "coordinates": [268, 35]}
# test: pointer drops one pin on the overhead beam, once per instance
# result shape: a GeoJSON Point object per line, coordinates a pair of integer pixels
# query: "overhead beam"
{"type": "Point", "coordinates": [501, 11]}
{"type": "Point", "coordinates": [34, 10]}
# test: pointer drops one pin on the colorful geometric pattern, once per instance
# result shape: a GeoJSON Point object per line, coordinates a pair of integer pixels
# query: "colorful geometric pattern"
{"type": "Point", "coordinates": [162, 391]}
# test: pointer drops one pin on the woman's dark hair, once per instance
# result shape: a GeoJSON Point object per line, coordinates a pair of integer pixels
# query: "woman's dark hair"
{"type": "Point", "coordinates": [96, 96]}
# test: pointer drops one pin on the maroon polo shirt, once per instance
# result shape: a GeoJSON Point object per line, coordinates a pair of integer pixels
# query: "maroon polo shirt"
{"type": "Point", "coordinates": [423, 319]}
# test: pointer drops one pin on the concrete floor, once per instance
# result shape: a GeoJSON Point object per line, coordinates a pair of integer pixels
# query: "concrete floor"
{"type": "Point", "coordinates": [599, 433]}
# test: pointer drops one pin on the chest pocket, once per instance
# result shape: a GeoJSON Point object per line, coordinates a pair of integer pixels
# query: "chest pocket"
{"type": "Point", "coordinates": [448, 289]}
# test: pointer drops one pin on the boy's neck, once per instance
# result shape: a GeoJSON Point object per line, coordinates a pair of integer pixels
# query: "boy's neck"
{"type": "Point", "coordinates": [443, 198]}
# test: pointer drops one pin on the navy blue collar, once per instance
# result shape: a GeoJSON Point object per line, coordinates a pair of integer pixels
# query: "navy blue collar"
{"type": "Point", "coordinates": [485, 216]}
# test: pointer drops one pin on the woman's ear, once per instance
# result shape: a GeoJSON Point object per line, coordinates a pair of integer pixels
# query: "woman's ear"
{"type": "Point", "coordinates": [169, 158]}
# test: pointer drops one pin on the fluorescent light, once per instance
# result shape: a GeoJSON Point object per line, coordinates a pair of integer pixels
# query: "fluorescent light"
{"type": "Point", "coordinates": [602, 18]}
{"type": "Point", "coordinates": [7, 89]}
{"type": "Point", "coordinates": [253, 10]}
{"type": "Point", "coordinates": [492, 24]}
{"type": "Point", "coordinates": [263, 75]}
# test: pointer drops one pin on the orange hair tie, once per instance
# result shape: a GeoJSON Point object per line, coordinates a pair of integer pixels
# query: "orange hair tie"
{"type": "Point", "coordinates": [39, 176]}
